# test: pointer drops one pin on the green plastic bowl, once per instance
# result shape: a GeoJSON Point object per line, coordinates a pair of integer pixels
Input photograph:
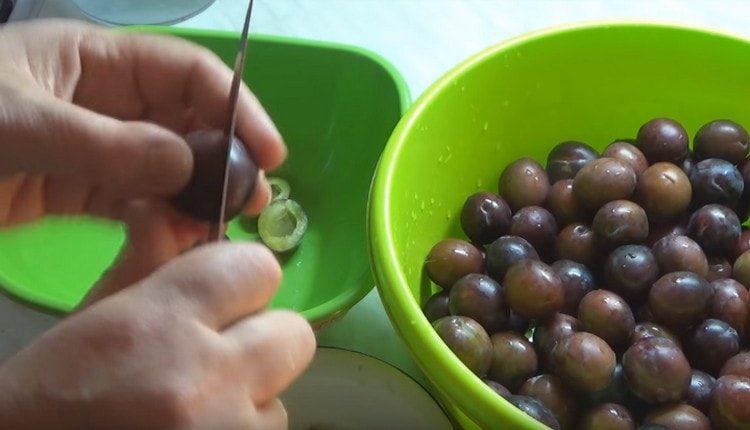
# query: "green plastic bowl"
{"type": "Point", "coordinates": [335, 106]}
{"type": "Point", "coordinates": [594, 83]}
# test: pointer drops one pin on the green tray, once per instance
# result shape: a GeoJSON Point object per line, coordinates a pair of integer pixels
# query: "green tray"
{"type": "Point", "coordinates": [336, 107]}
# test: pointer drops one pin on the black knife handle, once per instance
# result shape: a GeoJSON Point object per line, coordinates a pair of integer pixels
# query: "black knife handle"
{"type": "Point", "coordinates": [6, 7]}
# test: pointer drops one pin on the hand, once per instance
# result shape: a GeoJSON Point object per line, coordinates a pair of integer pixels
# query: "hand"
{"type": "Point", "coordinates": [91, 123]}
{"type": "Point", "coordinates": [89, 117]}
{"type": "Point", "coordinates": [175, 351]}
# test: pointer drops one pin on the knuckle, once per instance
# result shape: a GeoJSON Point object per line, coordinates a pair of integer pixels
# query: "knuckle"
{"type": "Point", "coordinates": [283, 415]}
{"type": "Point", "coordinates": [208, 58]}
{"type": "Point", "coordinates": [223, 273]}
{"type": "Point", "coordinates": [130, 327]}
{"type": "Point", "coordinates": [176, 403]}
{"type": "Point", "coordinates": [143, 155]}
{"type": "Point", "coordinates": [118, 161]}
{"type": "Point", "coordinates": [208, 63]}
{"type": "Point", "coordinates": [242, 264]}
{"type": "Point", "coordinates": [305, 337]}
{"type": "Point", "coordinates": [274, 416]}
{"type": "Point", "coordinates": [166, 163]}
{"type": "Point", "coordinates": [298, 337]}
{"type": "Point", "coordinates": [118, 333]}
{"type": "Point", "coordinates": [301, 327]}
{"type": "Point", "coordinates": [263, 261]}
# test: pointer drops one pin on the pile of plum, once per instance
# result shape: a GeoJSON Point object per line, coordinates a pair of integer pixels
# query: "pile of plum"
{"type": "Point", "coordinates": [609, 291]}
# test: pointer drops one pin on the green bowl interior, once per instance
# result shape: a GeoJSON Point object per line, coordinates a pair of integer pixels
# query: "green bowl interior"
{"type": "Point", "coordinates": [593, 83]}
{"type": "Point", "coordinates": [335, 106]}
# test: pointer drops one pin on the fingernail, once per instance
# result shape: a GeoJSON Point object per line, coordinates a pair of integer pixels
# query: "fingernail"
{"type": "Point", "coordinates": [254, 205]}
{"type": "Point", "coordinates": [269, 190]}
{"type": "Point", "coordinates": [169, 164]}
{"type": "Point", "coordinates": [277, 139]}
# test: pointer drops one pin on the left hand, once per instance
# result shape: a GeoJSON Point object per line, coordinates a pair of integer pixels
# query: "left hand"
{"type": "Point", "coordinates": [91, 123]}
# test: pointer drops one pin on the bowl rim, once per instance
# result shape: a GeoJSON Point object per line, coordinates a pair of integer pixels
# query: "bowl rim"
{"type": "Point", "coordinates": [471, 398]}
{"type": "Point", "coordinates": [372, 359]}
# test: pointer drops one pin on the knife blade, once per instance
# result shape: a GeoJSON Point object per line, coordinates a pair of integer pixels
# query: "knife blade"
{"type": "Point", "coordinates": [218, 228]}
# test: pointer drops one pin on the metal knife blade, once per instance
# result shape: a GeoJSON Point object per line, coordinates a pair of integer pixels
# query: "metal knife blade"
{"type": "Point", "coordinates": [218, 228]}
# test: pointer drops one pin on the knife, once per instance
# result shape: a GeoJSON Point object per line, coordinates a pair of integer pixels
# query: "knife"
{"type": "Point", "coordinates": [218, 227]}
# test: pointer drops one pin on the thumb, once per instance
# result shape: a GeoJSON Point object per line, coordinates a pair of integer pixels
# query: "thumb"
{"type": "Point", "coordinates": [155, 235]}
{"type": "Point", "coordinates": [51, 136]}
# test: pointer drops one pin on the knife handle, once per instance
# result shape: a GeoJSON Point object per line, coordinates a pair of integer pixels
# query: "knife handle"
{"type": "Point", "coordinates": [6, 7]}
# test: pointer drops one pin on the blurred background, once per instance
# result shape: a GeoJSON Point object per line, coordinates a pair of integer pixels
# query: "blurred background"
{"type": "Point", "coordinates": [422, 38]}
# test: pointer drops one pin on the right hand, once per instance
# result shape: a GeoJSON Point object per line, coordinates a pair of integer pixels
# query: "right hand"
{"type": "Point", "coordinates": [189, 347]}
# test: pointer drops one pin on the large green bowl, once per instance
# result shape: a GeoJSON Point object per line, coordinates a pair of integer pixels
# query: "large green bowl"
{"type": "Point", "coordinates": [593, 83]}
{"type": "Point", "coordinates": [335, 105]}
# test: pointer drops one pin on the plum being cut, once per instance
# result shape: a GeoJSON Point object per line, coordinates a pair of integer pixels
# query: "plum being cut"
{"type": "Point", "coordinates": [201, 198]}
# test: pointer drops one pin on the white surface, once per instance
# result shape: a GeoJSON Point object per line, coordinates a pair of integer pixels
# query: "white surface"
{"type": "Point", "coordinates": [343, 390]}
{"type": "Point", "coordinates": [423, 39]}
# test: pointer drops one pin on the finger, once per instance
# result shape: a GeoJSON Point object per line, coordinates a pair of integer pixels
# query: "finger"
{"type": "Point", "coordinates": [277, 346]}
{"type": "Point", "coordinates": [231, 409]}
{"type": "Point", "coordinates": [134, 158]}
{"type": "Point", "coordinates": [170, 74]}
{"type": "Point", "coordinates": [219, 283]}
{"type": "Point", "coordinates": [26, 202]}
{"type": "Point", "coordinates": [272, 416]}
{"type": "Point", "coordinates": [8, 189]}
{"type": "Point", "coordinates": [66, 194]}
{"type": "Point", "coordinates": [261, 196]}
{"type": "Point", "coordinates": [208, 94]}
{"type": "Point", "coordinates": [155, 236]}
